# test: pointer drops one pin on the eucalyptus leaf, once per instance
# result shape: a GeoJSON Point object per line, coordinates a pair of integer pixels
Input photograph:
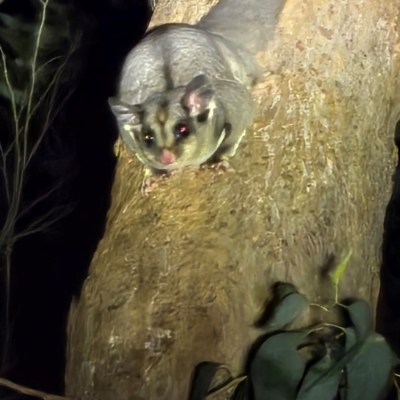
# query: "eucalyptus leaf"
{"type": "Point", "coordinates": [203, 379]}
{"type": "Point", "coordinates": [351, 339]}
{"type": "Point", "coordinates": [352, 347]}
{"type": "Point", "coordinates": [370, 371]}
{"type": "Point", "coordinates": [282, 289]}
{"type": "Point", "coordinates": [327, 388]}
{"type": "Point", "coordinates": [277, 367]}
{"type": "Point", "coordinates": [290, 303]}
{"type": "Point", "coordinates": [360, 315]}
{"type": "Point", "coordinates": [242, 391]}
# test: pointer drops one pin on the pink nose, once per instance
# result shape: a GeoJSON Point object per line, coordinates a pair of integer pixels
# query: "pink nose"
{"type": "Point", "coordinates": [167, 157]}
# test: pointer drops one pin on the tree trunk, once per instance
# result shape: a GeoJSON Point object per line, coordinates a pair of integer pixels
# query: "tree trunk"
{"type": "Point", "coordinates": [181, 275]}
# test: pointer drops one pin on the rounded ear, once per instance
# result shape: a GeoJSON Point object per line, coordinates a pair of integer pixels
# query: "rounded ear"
{"type": "Point", "coordinates": [126, 114]}
{"type": "Point", "coordinates": [199, 95]}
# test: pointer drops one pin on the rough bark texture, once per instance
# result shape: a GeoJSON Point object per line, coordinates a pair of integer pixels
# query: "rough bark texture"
{"type": "Point", "coordinates": [180, 276]}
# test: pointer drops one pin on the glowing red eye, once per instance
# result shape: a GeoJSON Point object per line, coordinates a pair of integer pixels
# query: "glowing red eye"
{"type": "Point", "coordinates": [181, 131]}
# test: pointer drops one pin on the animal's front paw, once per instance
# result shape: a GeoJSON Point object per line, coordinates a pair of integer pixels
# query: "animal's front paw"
{"type": "Point", "coordinates": [149, 184]}
{"type": "Point", "coordinates": [152, 180]}
{"type": "Point", "coordinates": [223, 166]}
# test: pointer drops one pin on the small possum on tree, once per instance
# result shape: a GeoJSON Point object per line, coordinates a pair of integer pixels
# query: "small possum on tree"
{"type": "Point", "coordinates": [184, 95]}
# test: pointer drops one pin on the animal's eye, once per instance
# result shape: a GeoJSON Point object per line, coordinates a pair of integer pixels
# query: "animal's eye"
{"type": "Point", "coordinates": [181, 131]}
{"type": "Point", "coordinates": [149, 138]}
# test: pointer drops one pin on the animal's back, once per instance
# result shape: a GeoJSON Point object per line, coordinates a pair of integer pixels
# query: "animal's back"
{"type": "Point", "coordinates": [171, 55]}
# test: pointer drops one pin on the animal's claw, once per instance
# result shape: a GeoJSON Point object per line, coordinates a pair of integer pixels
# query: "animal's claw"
{"type": "Point", "coordinates": [223, 165]}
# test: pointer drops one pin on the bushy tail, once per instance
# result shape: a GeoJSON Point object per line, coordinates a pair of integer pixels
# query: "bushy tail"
{"type": "Point", "coordinates": [248, 23]}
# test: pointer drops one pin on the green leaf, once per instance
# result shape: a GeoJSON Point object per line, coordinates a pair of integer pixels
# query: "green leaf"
{"type": "Point", "coordinates": [360, 315]}
{"type": "Point", "coordinates": [277, 367]}
{"type": "Point", "coordinates": [290, 303]}
{"type": "Point", "coordinates": [327, 387]}
{"type": "Point", "coordinates": [337, 273]}
{"type": "Point", "coordinates": [370, 371]}
{"type": "Point", "coordinates": [204, 378]}
{"type": "Point", "coordinates": [351, 339]}
{"type": "Point", "coordinates": [283, 289]}
{"type": "Point", "coordinates": [352, 347]}
{"type": "Point", "coordinates": [242, 391]}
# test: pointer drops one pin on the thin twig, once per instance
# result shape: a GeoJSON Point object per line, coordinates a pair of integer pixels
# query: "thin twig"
{"type": "Point", "coordinates": [10, 147]}
{"type": "Point", "coordinates": [8, 192]}
{"type": "Point", "coordinates": [50, 116]}
{"type": "Point", "coordinates": [52, 85]}
{"type": "Point", "coordinates": [10, 89]}
{"type": "Point", "coordinates": [4, 171]}
{"type": "Point", "coordinates": [16, 121]}
{"type": "Point", "coordinates": [7, 293]}
{"type": "Point", "coordinates": [33, 79]}
{"type": "Point", "coordinates": [29, 392]}
{"type": "Point", "coordinates": [38, 200]}
{"type": "Point", "coordinates": [47, 63]}
{"type": "Point", "coordinates": [43, 222]}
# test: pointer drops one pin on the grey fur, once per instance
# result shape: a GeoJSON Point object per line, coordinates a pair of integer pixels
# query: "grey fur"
{"type": "Point", "coordinates": [198, 75]}
{"type": "Point", "coordinates": [249, 24]}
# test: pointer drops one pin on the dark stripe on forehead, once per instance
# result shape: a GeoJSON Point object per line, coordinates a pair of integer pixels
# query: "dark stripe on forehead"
{"type": "Point", "coordinates": [169, 84]}
{"type": "Point", "coordinates": [162, 115]}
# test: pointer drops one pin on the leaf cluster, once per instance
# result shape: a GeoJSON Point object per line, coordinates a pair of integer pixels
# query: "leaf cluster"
{"type": "Point", "coordinates": [326, 362]}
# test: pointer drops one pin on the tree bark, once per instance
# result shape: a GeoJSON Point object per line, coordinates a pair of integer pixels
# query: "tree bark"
{"type": "Point", "coordinates": [181, 275]}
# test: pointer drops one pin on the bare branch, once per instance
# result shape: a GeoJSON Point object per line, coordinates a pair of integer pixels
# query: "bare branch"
{"type": "Point", "coordinates": [49, 119]}
{"type": "Point", "coordinates": [39, 199]}
{"type": "Point", "coordinates": [47, 63]}
{"type": "Point", "coordinates": [44, 222]}
{"type": "Point", "coordinates": [52, 85]}
{"type": "Point", "coordinates": [29, 392]}
{"type": "Point", "coordinates": [4, 170]}
{"type": "Point", "coordinates": [21, 163]}
{"type": "Point", "coordinates": [8, 286]}
{"type": "Point", "coordinates": [16, 123]}
{"type": "Point", "coordinates": [23, 150]}
{"type": "Point", "coordinates": [33, 80]}
{"type": "Point", "coordinates": [10, 89]}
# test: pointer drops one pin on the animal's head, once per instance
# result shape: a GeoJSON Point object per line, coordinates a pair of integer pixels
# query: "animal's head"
{"type": "Point", "coordinates": [173, 129]}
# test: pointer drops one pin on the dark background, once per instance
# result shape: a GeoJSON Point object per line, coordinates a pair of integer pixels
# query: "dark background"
{"type": "Point", "coordinates": [48, 267]}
